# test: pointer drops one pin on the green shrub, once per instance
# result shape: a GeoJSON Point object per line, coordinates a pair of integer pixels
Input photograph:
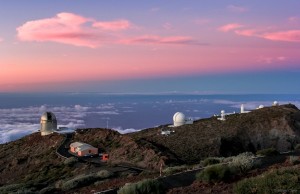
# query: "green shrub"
{"type": "Point", "coordinates": [297, 147]}
{"type": "Point", "coordinates": [103, 174]}
{"type": "Point", "coordinates": [278, 181]}
{"type": "Point", "coordinates": [210, 161]}
{"type": "Point", "coordinates": [147, 186]}
{"type": "Point", "coordinates": [47, 190]}
{"type": "Point", "coordinates": [78, 181]}
{"type": "Point", "coordinates": [267, 152]}
{"type": "Point", "coordinates": [243, 162]}
{"type": "Point", "coordinates": [70, 161]}
{"type": "Point", "coordinates": [174, 169]}
{"type": "Point", "coordinates": [215, 173]}
{"type": "Point", "coordinates": [11, 188]}
{"type": "Point", "coordinates": [294, 160]}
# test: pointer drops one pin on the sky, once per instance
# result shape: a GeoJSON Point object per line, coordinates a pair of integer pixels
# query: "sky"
{"type": "Point", "coordinates": [192, 46]}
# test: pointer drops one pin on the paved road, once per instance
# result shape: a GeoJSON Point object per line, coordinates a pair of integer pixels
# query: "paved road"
{"type": "Point", "coordinates": [63, 149]}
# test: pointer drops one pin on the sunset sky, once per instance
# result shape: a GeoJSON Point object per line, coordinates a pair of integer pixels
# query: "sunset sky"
{"type": "Point", "coordinates": [194, 46]}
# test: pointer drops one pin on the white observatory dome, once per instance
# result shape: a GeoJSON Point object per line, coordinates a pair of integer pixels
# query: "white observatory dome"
{"type": "Point", "coordinates": [179, 119]}
{"type": "Point", "coordinates": [261, 106]}
{"type": "Point", "coordinates": [275, 103]}
{"type": "Point", "coordinates": [48, 123]}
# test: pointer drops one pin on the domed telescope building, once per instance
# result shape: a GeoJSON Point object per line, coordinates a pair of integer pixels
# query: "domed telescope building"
{"type": "Point", "coordinates": [179, 119]}
{"type": "Point", "coordinates": [48, 123]}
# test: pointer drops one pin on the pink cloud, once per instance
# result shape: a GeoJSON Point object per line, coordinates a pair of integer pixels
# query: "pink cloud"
{"type": "Point", "coordinates": [236, 9]}
{"type": "Point", "coordinates": [72, 29]}
{"type": "Point", "coordinates": [69, 28]}
{"type": "Point", "coordinates": [149, 39]}
{"type": "Point", "coordinates": [113, 25]}
{"type": "Point", "coordinates": [1, 39]}
{"type": "Point", "coordinates": [290, 36]}
{"type": "Point", "coordinates": [230, 27]}
{"type": "Point", "coordinates": [248, 32]}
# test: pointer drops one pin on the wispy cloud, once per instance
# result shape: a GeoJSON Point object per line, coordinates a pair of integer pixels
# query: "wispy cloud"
{"type": "Point", "coordinates": [294, 19]}
{"type": "Point", "coordinates": [290, 36]}
{"type": "Point", "coordinates": [285, 35]}
{"type": "Point", "coordinates": [236, 9]}
{"type": "Point", "coordinates": [167, 26]}
{"type": "Point", "coordinates": [113, 25]}
{"type": "Point", "coordinates": [230, 27]}
{"type": "Point", "coordinates": [151, 39]}
{"type": "Point", "coordinates": [269, 60]}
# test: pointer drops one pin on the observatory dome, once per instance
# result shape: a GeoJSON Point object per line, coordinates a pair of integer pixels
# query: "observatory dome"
{"type": "Point", "coordinates": [261, 106]}
{"type": "Point", "coordinates": [48, 123]}
{"type": "Point", "coordinates": [179, 119]}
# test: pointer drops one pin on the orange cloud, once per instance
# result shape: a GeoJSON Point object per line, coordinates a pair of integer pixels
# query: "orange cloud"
{"type": "Point", "coordinates": [230, 27]}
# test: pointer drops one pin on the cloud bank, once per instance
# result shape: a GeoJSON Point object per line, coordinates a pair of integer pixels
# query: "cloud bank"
{"type": "Point", "coordinates": [18, 122]}
{"type": "Point", "coordinates": [73, 29]}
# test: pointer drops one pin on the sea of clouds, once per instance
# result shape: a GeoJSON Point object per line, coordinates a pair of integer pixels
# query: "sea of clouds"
{"type": "Point", "coordinates": [18, 122]}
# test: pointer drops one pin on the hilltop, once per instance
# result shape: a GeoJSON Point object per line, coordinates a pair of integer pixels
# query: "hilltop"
{"type": "Point", "coordinates": [33, 159]}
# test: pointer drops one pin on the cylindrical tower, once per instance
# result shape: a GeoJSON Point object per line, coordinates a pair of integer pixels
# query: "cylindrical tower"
{"type": "Point", "coordinates": [242, 108]}
{"type": "Point", "coordinates": [48, 123]}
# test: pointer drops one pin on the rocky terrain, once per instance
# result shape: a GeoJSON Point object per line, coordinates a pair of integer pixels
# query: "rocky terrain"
{"type": "Point", "coordinates": [32, 161]}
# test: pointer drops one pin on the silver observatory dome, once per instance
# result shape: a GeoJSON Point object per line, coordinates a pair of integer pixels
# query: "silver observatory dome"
{"type": "Point", "coordinates": [48, 123]}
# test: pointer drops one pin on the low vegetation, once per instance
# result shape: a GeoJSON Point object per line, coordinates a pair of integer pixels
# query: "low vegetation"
{"type": "Point", "coordinates": [147, 186]}
{"type": "Point", "coordinates": [243, 162]}
{"type": "Point", "coordinates": [277, 181]}
{"type": "Point", "coordinates": [215, 173]}
{"type": "Point", "coordinates": [70, 161]}
{"type": "Point", "coordinates": [174, 169]}
{"type": "Point", "coordinates": [78, 181]}
{"type": "Point", "coordinates": [210, 161]}
{"type": "Point", "coordinates": [267, 152]}
{"type": "Point", "coordinates": [84, 180]}
{"type": "Point", "coordinates": [294, 160]}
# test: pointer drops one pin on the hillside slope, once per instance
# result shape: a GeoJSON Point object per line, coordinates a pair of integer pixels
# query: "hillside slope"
{"type": "Point", "coordinates": [277, 127]}
{"type": "Point", "coordinates": [33, 160]}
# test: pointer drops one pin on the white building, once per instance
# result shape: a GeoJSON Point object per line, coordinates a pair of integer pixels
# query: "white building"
{"type": "Point", "coordinates": [48, 123]}
{"type": "Point", "coordinates": [179, 119]}
{"type": "Point", "coordinates": [243, 109]}
{"type": "Point", "coordinates": [260, 106]}
{"type": "Point", "coordinates": [166, 131]}
{"type": "Point", "coordinates": [222, 118]}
